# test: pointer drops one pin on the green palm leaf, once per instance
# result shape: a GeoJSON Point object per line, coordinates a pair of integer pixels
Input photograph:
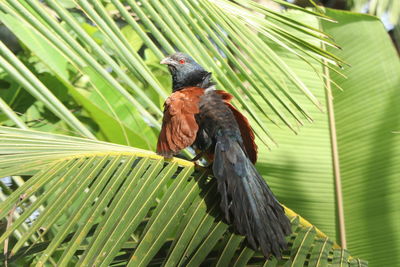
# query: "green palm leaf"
{"type": "Point", "coordinates": [366, 116]}
{"type": "Point", "coordinates": [213, 32]}
{"type": "Point", "coordinates": [126, 205]}
{"type": "Point", "coordinates": [166, 212]}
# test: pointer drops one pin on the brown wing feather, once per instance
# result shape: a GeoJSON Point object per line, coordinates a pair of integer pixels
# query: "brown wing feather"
{"type": "Point", "coordinates": [179, 127]}
{"type": "Point", "coordinates": [245, 129]}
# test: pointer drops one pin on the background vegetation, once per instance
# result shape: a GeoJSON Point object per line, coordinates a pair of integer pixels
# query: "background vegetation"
{"type": "Point", "coordinates": [82, 82]}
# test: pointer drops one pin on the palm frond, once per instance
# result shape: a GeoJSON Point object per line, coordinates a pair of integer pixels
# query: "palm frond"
{"type": "Point", "coordinates": [113, 204]}
{"type": "Point", "coordinates": [366, 114]}
{"type": "Point", "coordinates": [214, 32]}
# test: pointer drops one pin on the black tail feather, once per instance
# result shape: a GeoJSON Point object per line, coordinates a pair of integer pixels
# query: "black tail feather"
{"type": "Point", "coordinates": [247, 201]}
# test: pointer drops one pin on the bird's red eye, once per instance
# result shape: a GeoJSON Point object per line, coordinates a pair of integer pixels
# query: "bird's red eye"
{"type": "Point", "coordinates": [181, 61]}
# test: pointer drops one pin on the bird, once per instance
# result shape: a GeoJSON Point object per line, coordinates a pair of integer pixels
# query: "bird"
{"type": "Point", "coordinates": [198, 115]}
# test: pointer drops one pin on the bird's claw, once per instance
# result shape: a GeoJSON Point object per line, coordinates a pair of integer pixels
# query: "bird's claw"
{"type": "Point", "coordinates": [197, 157]}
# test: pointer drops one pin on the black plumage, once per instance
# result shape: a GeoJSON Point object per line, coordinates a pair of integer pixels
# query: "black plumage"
{"type": "Point", "coordinates": [246, 200]}
{"type": "Point", "coordinates": [204, 116]}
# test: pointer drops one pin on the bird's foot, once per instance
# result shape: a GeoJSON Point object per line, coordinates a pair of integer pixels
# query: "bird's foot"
{"type": "Point", "coordinates": [197, 157]}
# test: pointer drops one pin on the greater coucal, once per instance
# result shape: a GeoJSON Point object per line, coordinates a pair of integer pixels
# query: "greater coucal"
{"type": "Point", "coordinates": [197, 115]}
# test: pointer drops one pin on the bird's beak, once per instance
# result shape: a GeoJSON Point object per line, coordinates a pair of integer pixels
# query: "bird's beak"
{"type": "Point", "coordinates": [166, 61]}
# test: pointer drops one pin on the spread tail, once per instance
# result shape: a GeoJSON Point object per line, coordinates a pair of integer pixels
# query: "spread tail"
{"type": "Point", "coordinates": [247, 201]}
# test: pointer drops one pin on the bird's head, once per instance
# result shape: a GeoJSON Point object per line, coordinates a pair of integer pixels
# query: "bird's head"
{"type": "Point", "coordinates": [185, 71]}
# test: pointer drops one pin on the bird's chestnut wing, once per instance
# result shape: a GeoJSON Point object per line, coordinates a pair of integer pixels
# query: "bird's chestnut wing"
{"type": "Point", "coordinates": [244, 126]}
{"type": "Point", "coordinates": [179, 127]}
